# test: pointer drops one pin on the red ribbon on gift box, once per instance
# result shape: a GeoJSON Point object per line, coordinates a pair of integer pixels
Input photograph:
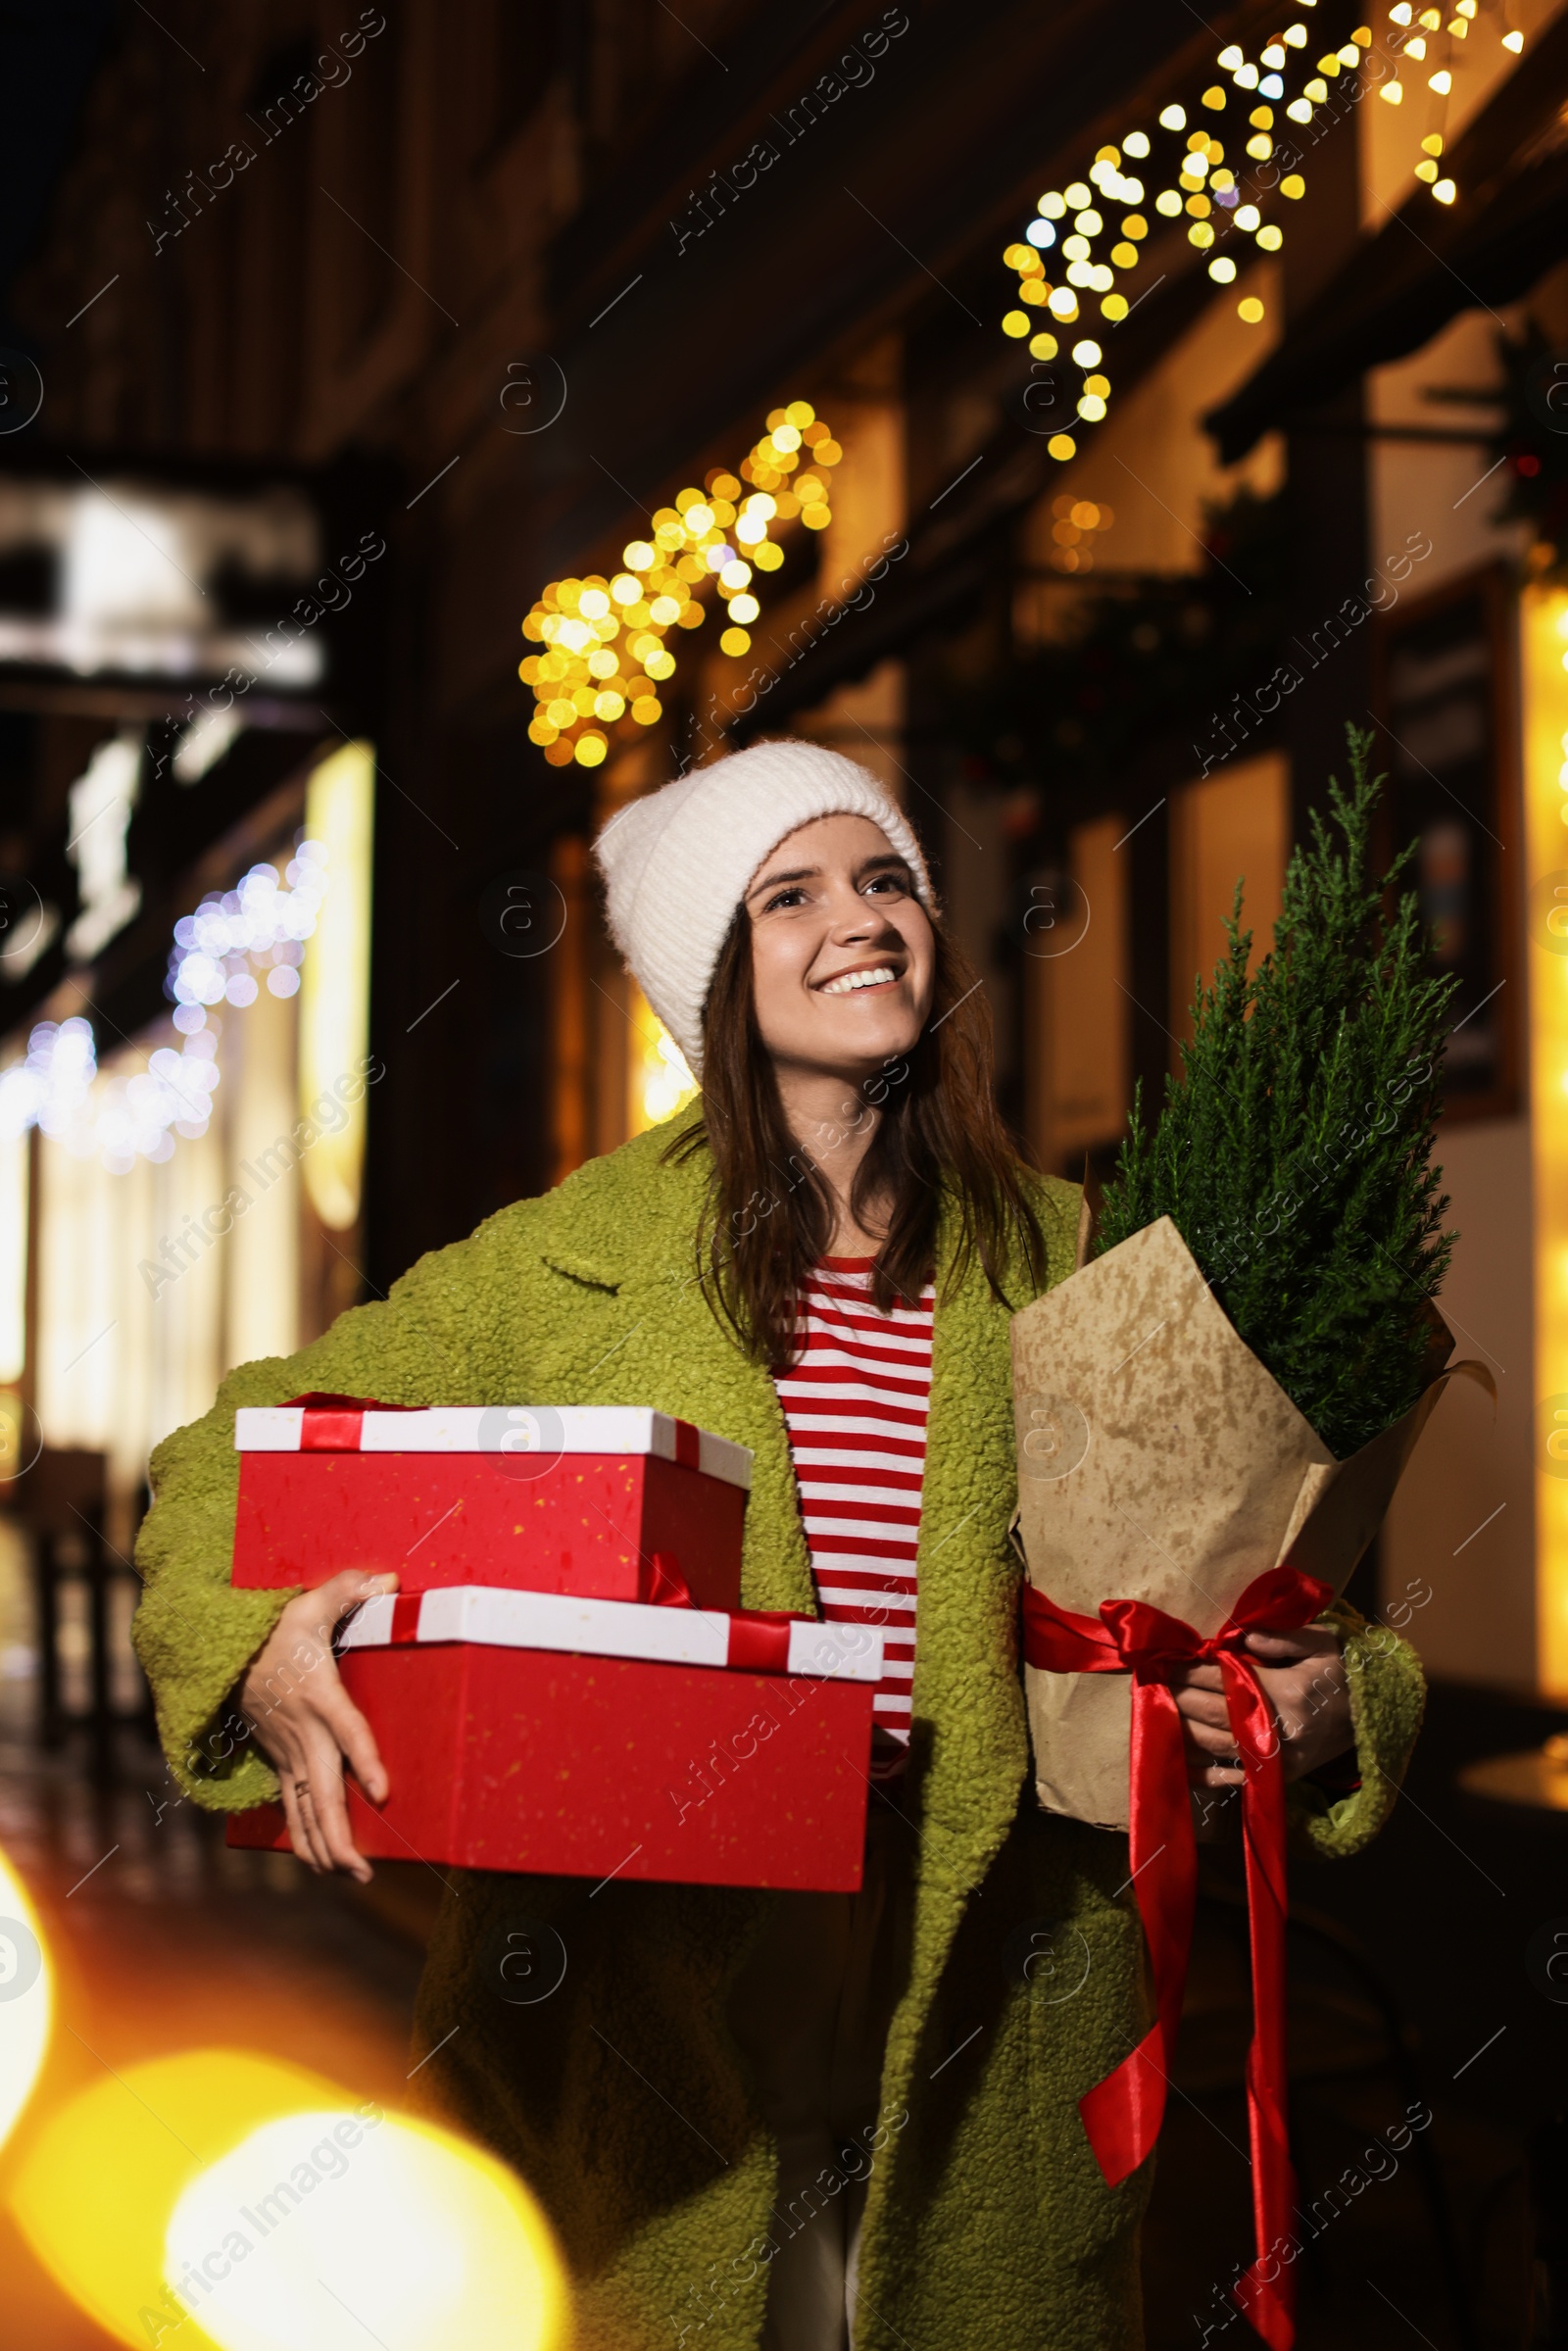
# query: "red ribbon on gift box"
{"type": "Point", "coordinates": [759, 1637]}
{"type": "Point", "coordinates": [406, 1607]}
{"type": "Point", "coordinates": [335, 1424]}
{"type": "Point", "coordinates": [1122, 2114]}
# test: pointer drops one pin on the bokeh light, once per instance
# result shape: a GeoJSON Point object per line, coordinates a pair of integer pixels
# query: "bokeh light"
{"type": "Point", "coordinates": [27, 1997]}
{"type": "Point", "coordinates": [1209, 188]}
{"type": "Point", "coordinates": [99, 2181]}
{"type": "Point", "coordinates": [603, 640]}
{"type": "Point", "coordinates": [234, 939]}
{"type": "Point", "coordinates": [363, 2231]}
{"type": "Point", "coordinates": [219, 2198]}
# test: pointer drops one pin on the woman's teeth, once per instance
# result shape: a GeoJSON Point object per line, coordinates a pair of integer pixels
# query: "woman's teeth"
{"type": "Point", "coordinates": [880, 978]}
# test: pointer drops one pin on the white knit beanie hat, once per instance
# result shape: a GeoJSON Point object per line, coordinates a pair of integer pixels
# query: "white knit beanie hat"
{"type": "Point", "coordinates": [676, 863]}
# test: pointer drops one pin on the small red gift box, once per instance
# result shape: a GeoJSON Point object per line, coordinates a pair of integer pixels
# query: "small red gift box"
{"type": "Point", "coordinates": [574, 1500]}
{"type": "Point", "coordinates": [597, 1739]}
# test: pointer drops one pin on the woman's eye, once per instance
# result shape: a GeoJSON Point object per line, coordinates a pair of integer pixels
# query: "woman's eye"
{"type": "Point", "coordinates": [785, 897]}
{"type": "Point", "coordinates": [888, 881]}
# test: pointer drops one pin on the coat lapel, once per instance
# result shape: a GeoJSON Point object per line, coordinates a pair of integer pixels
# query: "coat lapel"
{"type": "Point", "coordinates": [967, 1579]}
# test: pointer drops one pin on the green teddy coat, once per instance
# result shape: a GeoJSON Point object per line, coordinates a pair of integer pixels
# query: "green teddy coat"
{"type": "Point", "coordinates": [620, 2097]}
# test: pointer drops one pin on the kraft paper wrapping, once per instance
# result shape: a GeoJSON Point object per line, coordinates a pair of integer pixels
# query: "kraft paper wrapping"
{"type": "Point", "coordinates": [1159, 1461]}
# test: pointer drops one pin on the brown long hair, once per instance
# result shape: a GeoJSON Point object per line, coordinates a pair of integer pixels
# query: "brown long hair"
{"type": "Point", "coordinates": [770, 1215]}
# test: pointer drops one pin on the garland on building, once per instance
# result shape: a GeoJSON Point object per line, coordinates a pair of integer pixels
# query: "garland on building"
{"type": "Point", "coordinates": [235, 940]}
{"type": "Point", "coordinates": [1225, 195]}
{"type": "Point", "coordinates": [1293, 1152]}
{"type": "Point", "coordinates": [606, 655]}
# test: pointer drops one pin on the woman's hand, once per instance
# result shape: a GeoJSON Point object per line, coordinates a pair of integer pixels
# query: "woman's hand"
{"type": "Point", "coordinates": [307, 1722]}
{"type": "Point", "coordinates": [1302, 1677]}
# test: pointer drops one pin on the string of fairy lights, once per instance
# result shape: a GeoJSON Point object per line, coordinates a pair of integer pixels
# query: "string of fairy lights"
{"type": "Point", "coordinates": [1412, 38]}
{"type": "Point", "coordinates": [604, 641]}
{"type": "Point", "coordinates": [606, 653]}
{"type": "Point", "coordinates": [1102, 219]}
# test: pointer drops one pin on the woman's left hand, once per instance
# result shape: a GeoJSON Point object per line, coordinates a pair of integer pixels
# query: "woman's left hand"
{"type": "Point", "coordinates": [1302, 1677]}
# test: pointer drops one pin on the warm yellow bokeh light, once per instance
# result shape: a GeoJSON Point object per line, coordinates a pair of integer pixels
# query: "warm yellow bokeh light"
{"type": "Point", "coordinates": [659, 1081]}
{"type": "Point", "coordinates": [27, 1997]}
{"type": "Point", "coordinates": [221, 2201]}
{"type": "Point", "coordinates": [335, 981]}
{"type": "Point", "coordinates": [1203, 178]}
{"type": "Point", "coordinates": [94, 2194]}
{"type": "Point", "coordinates": [579, 677]}
{"type": "Point", "coordinates": [1544, 619]}
{"type": "Point", "coordinates": [327, 2229]}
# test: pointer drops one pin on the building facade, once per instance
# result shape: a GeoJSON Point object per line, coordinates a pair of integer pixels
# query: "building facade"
{"type": "Point", "coordinates": [486, 302]}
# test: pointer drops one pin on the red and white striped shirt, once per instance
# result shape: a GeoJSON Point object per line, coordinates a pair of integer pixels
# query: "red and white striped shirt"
{"type": "Point", "coordinates": [855, 1401]}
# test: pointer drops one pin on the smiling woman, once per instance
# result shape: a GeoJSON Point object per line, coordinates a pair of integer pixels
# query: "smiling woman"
{"type": "Point", "coordinates": [847, 1044]}
{"type": "Point", "coordinates": [780, 2107]}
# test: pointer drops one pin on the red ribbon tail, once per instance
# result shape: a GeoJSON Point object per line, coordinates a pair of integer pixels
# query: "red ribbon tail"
{"type": "Point", "coordinates": [1122, 2114]}
{"type": "Point", "coordinates": [1265, 2292]}
{"type": "Point", "coordinates": [1267, 2305]}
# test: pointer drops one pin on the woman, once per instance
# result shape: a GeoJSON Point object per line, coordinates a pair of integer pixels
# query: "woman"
{"type": "Point", "coordinates": [769, 2119]}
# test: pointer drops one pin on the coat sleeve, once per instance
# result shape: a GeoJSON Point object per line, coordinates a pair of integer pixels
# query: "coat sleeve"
{"type": "Point", "coordinates": [1388, 1697]}
{"type": "Point", "coordinates": [437, 1339]}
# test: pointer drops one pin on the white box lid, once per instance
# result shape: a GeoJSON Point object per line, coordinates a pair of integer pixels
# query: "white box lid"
{"type": "Point", "coordinates": [502, 1618]}
{"type": "Point", "coordinates": [531, 1428]}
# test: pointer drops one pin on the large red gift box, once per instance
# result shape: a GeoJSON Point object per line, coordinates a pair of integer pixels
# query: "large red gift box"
{"type": "Point", "coordinates": [599, 1738]}
{"type": "Point", "coordinates": [569, 1499]}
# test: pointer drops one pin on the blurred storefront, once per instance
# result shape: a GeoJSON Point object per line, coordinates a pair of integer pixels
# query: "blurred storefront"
{"type": "Point", "coordinates": [180, 1200]}
{"type": "Point", "coordinates": [184, 970]}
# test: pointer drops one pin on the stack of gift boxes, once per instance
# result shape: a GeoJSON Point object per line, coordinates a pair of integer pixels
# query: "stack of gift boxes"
{"type": "Point", "coordinates": [564, 1681]}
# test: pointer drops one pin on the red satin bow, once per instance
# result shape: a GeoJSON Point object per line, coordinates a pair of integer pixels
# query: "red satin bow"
{"type": "Point", "coordinates": [1122, 2114]}
{"type": "Point", "coordinates": [759, 1637]}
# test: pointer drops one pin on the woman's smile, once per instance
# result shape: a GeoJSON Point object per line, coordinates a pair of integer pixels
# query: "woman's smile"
{"type": "Point", "coordinates": [863, 976]}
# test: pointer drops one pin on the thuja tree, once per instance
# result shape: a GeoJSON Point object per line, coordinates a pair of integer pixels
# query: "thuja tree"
{"type": "Point", "coordinates": [1294, 1151]}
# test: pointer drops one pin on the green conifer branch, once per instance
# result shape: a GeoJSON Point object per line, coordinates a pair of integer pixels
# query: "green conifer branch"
{"type": "Point", "coordinates": [1294, 1151]}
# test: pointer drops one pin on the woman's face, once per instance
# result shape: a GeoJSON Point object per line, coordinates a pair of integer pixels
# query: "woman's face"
{"type": "Point", "coordinates": [842, 950]}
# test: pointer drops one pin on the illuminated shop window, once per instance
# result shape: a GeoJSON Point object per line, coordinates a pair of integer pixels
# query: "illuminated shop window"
{"type": "Point", "coordinates": [1543, 626]}
{"type": "Point", "coordinates": [335, 994]}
